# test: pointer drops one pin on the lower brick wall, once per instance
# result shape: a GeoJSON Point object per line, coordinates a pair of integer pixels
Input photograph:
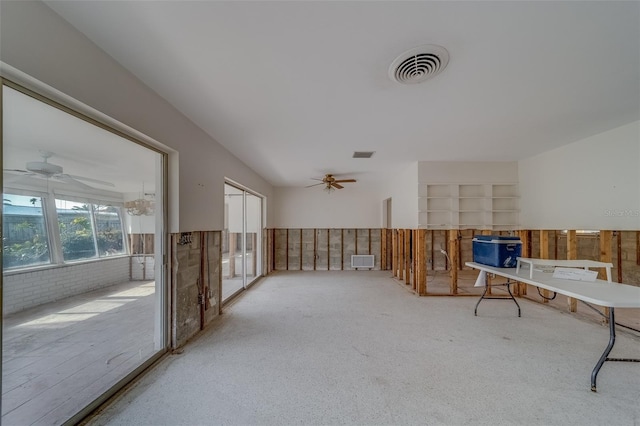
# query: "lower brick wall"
{"type": "Point", "coordinates": [28, 289]}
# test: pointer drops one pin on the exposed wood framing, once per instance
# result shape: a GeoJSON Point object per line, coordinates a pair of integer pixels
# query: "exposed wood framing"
{"type": "Point", "coordinates": [407, 256]}
{"type": "Point", "coordinates": [544, 254]}
{"type": "Point", "coordinates": [383, 249]}
{"type": "Point", "coordinates": [454, 242]}
{"type": "Point", "coordinates": [369, 252]}
{"type": "Point", "coordinates": [287, 248]}
{"type": "Point", "coordinates": [401, 254]}
{"type": "Point", "coordinates": [300, 249]}
{"type": "Point", "coordinates": [356, 239]}
{"type": "Point", "coordinates": [488, 232]}
{"type": "Point", "coordinates": [328, 249]}
{"type": "Point", "coordinates": [637, 247]}
{"type": "Point", "coordinates": [421, 269]}
{"type": "Point", "coordinates": [342, 249]}
{"type": "Point", "coordinates": [394, 252]}
{"type": "Point", "coordinates": [572, 254]}
{"type": "Point", "coordinates": [315, 248]}
{"type": "Point", "coordinates": [605, 256]}
{"type": "Point", "coordinates": [619, 249]}
{"type": "Point", "coordinates": [433, 261]}
{"type": "Point", "coordinates": [525, 237]}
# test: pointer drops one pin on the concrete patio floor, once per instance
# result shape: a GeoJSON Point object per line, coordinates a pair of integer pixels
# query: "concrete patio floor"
{"type": "Point", "coordinates": [59, 357]}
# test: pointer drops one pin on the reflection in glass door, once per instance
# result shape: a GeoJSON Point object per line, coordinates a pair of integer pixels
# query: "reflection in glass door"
{"type": "Point", "coordinates": [241, 241]}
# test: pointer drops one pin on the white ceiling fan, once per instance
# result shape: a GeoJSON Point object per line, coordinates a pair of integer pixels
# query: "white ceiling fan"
{"type": "Point", "coordinates": [45, 170]}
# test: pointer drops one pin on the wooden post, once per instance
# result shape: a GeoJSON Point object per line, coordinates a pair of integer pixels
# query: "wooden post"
{"type": "Point", "coordinates": [301, 249]}
{"type": "Point", "coordinates": [342, 249]}
{"type": "Point", "coordinates": [572, 254]}
{"type": "Point", "coordinates": [525, 237]}
{"type": "Point", "coordinates": [328, 249]}
{"type": "Point", "coordinates": [315, 247]}
{"type": "Point", "coordinates": [544, 254]}
{"type": "Point", "coordinates": [488, 232]}
{"type": "Point", "coordinates": [286, 235]}
{"type": "Point", "coordinates": [605, 256]}
{"type": "Point", "coordinates": [453, 255]}
{"type": "Point", "coordinates": [619, 250]}
{"type": "Point", "coordinates": [369, 252]}
{"type": "Point", "coordinates": [394, 252]}
{"type": "Point", "coordinates": [421, 281]}
{"type": "Point", "coordinates": [356, 240]}
{"type": "Point", "coordinates": [407, 256]}
{"type": "Point", "coordinates": [401, 254]}
{"type": "Point", "coordinates": [383, 249]}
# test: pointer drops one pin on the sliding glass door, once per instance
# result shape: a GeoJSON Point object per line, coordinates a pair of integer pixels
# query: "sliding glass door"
{"type": "Point", "coordinates": [241, 240]}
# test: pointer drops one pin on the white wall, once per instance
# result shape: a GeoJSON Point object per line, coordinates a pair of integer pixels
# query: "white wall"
{"type": "Point", "coordinates": [41, 44]}
{"type": "Point", "coordinates": [351, 207]}
{"type": "Point", "coordinates": [403, 191]}
{"type": "Point", "coordinates": [468, 172]}
{"type": "Point", "coordinates": [593, 183]}
{"type": "Point", "coordinates": [23, 290]}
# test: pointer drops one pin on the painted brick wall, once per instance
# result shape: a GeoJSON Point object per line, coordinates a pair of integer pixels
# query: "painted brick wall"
{"type": "Point", "coordinates": [28, 289]}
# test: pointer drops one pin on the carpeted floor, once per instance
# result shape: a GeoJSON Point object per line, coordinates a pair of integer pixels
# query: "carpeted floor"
{"type": "Point", "coordinates": [354, 348]}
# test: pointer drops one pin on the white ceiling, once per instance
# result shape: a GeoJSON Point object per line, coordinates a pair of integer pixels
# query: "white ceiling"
{"type": "Point", "coordinates": [293, 88]}
{"type": "Point", "coordinates": [80, 148]}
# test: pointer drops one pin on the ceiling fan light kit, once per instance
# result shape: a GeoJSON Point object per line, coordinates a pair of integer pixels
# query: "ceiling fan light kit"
{"type": "Point", "coordinates": [331, 183]}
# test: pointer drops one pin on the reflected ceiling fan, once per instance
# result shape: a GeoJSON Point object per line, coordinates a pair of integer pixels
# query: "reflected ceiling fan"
{"type": "Point", "coordinates": [330, 182]}
{"type": "Point", "coordinates": [45, 170]}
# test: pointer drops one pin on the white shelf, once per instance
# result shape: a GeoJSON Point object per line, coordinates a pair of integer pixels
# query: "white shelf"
{"type": "Point", "coordinates": [473, 205]}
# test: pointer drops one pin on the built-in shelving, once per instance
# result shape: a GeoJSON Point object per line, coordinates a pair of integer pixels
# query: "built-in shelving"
{"type": "Point", "coordinates": [492, 206]}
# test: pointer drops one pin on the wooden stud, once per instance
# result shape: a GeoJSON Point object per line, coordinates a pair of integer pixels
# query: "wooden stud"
{"type": "Point", "coordinates": [421, 282]}
{"type": "Point", "coordinates": [301, 249]}
{"type": "Point", "coordinates": [453, 254]}
{"type": "Point", "coordinates": [488, 232]}
{"type": "Point", "coordinates": [383, 249]}
{"type": "Point", "coordinates": [401, 254]}
{"type": "Point", "coordinates": [342, 249]}
{"type": "Point", "coordinates": [369, 252]}
{"type": "Point", "coordinates": [394, 252]}
{"type": "Point", "coordinates": [619, 249]}
{"type": "Point", "coordinates": [433, 260]}
{"type": "Point", "coordinates": [637, 247]}
{"type": "Point", "coordinates": [525, 237]}
{"type": "Point", "coordinates": [328, 247]}
{"type": "Point", "coordinates": [544, 254]}
{"type": "Point", "coordinates": [605, 252]}
{"type": "Point", "coordinates": [572, 254]}
{"type": "Point", "coordinates": [315, 248]}
{"type": "Point", "coordinates": [407, 256]}
{"type": "Point", "coordinates": [555, 245]}
{"type": "Point", "coordinates": [287, 248]}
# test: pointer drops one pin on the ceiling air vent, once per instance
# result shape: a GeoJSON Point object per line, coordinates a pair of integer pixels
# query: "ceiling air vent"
{"type": "Point", "coordinates": [419, 64]}
{"type": "Point", "coordinates": [363, 154]}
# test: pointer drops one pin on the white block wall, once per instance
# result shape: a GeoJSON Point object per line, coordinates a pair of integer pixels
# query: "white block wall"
{"type": "Point", "coordinates": [28, 289]}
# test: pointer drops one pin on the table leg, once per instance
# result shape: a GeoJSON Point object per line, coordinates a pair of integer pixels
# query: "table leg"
{"type": "Point", "coordinates": [605, 354]}
{"type": "Point", "coordinates": [486, 287]}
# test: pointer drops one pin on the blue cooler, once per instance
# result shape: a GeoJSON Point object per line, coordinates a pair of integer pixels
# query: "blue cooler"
{"type": "Point", "coordinates": [496, 250]}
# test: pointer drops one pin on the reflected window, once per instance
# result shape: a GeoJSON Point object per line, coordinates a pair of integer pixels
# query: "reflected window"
{"type": "Point", "coordinates": [25, 241]}
{"type": "Point", "coordinates": [76, 230]}
{"type": "Point", "coordinates": [108, 222]}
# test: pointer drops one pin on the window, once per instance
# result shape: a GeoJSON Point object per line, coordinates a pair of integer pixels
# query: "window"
{"type": "Point", "coordinates": [25, 241]}
{"type": "Point", "coordinates": [89, 230]}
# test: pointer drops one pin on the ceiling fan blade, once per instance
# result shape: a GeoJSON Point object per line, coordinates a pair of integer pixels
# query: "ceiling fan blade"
{"type": "Point", "coordinates": [99, 182]}
{"type": "Point", "coordinates": [69, 180]}
{"type": "Point", "coordinates": [24, 172]}
{"type": "Point", "coordinates": [315, 184]}
{"type": "Point", "coordinates": [345, 180]}
{"type": "Point", "coordinates": [336, 185]}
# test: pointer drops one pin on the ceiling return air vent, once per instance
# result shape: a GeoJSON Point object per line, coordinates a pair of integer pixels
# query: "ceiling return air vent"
{"type": "Point", "coordinates": [419, 64]}
{"type": "Point", "coordinates": [363, 154]}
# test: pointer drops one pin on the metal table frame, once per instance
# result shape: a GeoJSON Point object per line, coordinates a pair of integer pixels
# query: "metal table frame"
{"type": "Point", "coordinates": [602, 293]}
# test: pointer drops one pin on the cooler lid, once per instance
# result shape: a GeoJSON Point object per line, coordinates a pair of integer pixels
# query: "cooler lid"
{"type": "Point", "coordinates": [497, 239]}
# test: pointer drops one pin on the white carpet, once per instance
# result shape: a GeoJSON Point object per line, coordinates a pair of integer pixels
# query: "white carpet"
{"type": "Point", "coordinates": [353, 347]}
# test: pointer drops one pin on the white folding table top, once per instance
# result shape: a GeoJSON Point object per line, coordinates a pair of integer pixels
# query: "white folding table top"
{"type": "Point", "coordinates": [600, 292]}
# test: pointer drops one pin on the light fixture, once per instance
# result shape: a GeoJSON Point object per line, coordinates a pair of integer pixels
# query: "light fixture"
{"type": "Point", "coordinates": [142, 206]}
{"type": "Point", "coordinates": [329, 188]}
